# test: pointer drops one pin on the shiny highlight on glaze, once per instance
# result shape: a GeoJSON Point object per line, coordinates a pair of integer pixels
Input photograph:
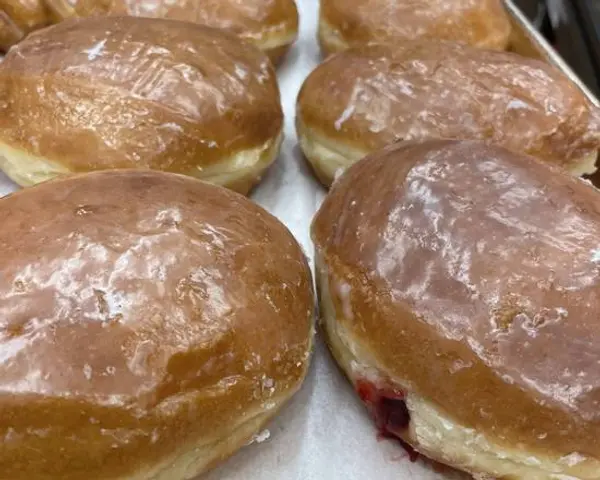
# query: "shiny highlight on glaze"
{"type": "Point", "coordinates": [379, 95]}
{"type": "Point", "coordinates": [150, 324]}
{"type": "Point", "coordinates": [128, 92]}
{"type": "Point", "coordinates": [473, 279]}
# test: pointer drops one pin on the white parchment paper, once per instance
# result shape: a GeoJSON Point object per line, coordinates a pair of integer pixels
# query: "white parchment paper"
{"type": "Point", "coordinates": [324, 433]}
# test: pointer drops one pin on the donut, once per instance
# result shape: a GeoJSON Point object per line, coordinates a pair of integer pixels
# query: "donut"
{"type": "Point", "coordinates": [151, 325]}
{"type": "Point", "coordinates": [126, 92]}
{"type": "Point", "coordinates": [271, 25]}
{"type": "Point", "coordinates": [458, 285]}
{"type": "Point", "coordinates": [365, 98]}
{"type": "Point", "coordinates": [349, 23]}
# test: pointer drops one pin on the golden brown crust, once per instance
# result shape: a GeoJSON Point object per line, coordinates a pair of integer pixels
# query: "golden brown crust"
{"type": "Point", "coordinates": [143, 314]}
{"type": "Point", "coordinates": [346, 23]}
{"type": "Point", "coordinates": [429, 430]}
{"type": "Point", "coordinates": [377, 95]}
{"type": "Point", "coordinates": [269, 24]}
{"type": "Point", "coordinates": [472, 276]}
{"type": "Point", "coordinates": [124, 92]}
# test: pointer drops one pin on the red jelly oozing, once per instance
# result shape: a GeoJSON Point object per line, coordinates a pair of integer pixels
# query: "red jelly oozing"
{"type": "Point", "coordinates": [388, 409]}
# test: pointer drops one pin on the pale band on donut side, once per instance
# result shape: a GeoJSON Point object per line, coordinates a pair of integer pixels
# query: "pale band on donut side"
{"type": "Point", "coordinates": [458, 287]}
{"type": "Point", "coordinates": [350, 23]}
{"type": "Point", "coordinates": [151, 325]}
{"type": "Point", "coordinates": [124, 92]}
{"type": "Point", "coordinates": [365, 98]}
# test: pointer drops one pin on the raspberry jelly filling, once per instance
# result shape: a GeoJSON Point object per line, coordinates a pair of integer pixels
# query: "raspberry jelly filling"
{"type": "Point", "coordinates": [388, 408]}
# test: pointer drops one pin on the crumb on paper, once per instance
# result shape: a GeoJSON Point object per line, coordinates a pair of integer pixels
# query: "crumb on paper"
{"type": "Point", "coordinates": [260, 437]}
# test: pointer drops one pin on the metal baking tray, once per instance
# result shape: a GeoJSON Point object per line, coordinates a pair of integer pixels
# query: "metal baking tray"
{"type": "Point", "coordinates": [325, 433]}
{"type": "Point", "coordinates": [534, 10]}
{"type": "Point", "coordinates": [528, 41]}
{"type": "Point", "coordinates": [575, 28]}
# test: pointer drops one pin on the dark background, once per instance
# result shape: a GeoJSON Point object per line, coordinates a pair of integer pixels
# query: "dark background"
{"type": "Point", "coordinates": [573, 28]}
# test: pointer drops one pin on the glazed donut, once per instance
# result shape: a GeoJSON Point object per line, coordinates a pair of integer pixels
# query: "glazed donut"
{"type": "Point", "coordinates": [458, 285]}
{"type": "Point", "coordinates": [151, 325]}
{"type": "Point", "coordinates": [125, 92]}
{"type": "Point", "coordinates": [271, 25]}
{"type": "Point", "coordinates": [349, 23]}
{"type": "Point", "coordinates": [365, 98]}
